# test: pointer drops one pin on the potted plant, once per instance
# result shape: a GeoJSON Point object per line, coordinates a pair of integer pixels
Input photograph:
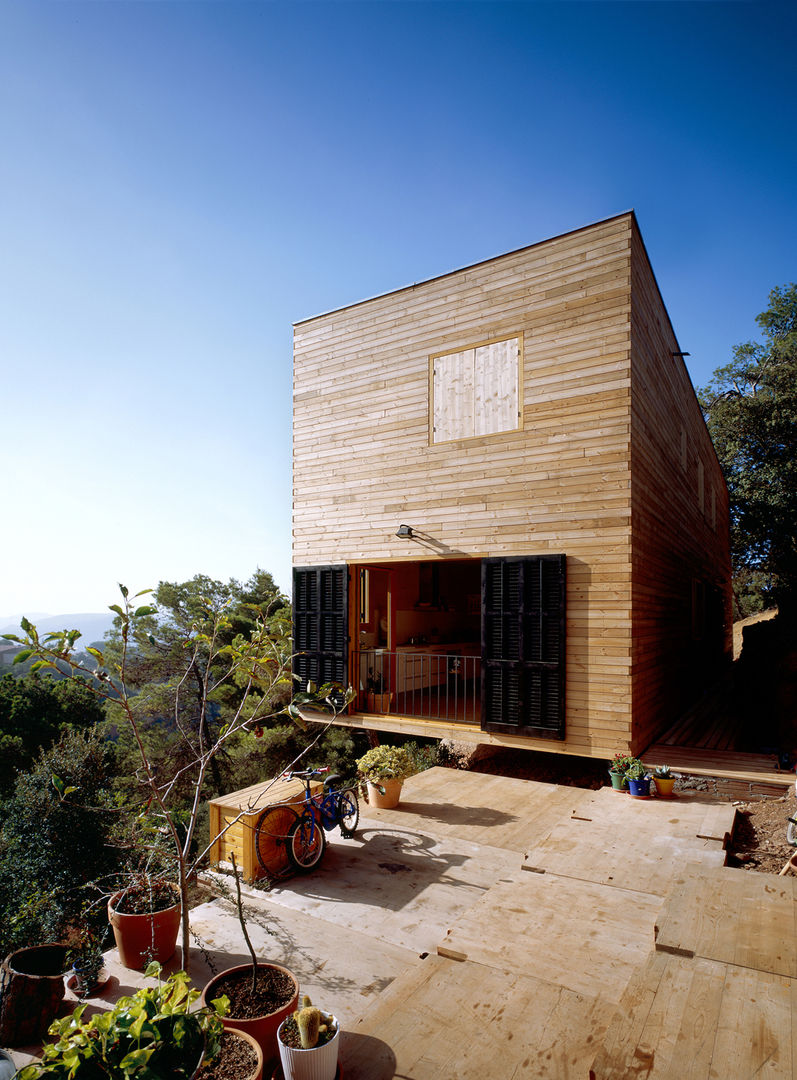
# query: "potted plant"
{"type": "Point", "coordinates": [383, 769]}
{"type": "Point", "coordinates": [154, 1033]}
{"type": "Point", "coordinates": [378, 698]}
{"type": "Point", "coordinates": [617, 770]}
{"type": "Point", "coordinates": [638, 780]}
{"type": "Point", "coordinates": [257, 996]}
{"type": "Point", "coordinates": [88, 964]}
{"type": "Point", "coordinates": [145, 917]}
{"type": "Point", "coordinates": [240, 1057]}
{"type": "Point", "coordinates": [308, 1044]}
{"type": "Point", "coordinates": [664, 780]}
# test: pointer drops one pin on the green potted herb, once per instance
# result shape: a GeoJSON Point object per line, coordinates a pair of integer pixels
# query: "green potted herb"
{"type": "Point", "coordinates": [617, 770]}
{"type": "Point", "coordinates": [88, 963]}
{"type": "Point", "coordinates": [383, 769]}
{"type": "Point", "coordinates": [154, 1033]}
{"type": "Point", "coordinates": [638, 780]}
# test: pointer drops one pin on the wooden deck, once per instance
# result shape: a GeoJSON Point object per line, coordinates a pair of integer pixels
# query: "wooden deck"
{"type": "Point", "coordinates": [530, 980]}
{"type": "Point", "coordinates": [718, 996]}
{"type": "Point", "coordinates": [492, 928]}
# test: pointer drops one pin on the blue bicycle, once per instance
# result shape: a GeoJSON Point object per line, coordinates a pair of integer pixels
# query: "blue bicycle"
{"type": "Point", "coordinates": [317, 815]}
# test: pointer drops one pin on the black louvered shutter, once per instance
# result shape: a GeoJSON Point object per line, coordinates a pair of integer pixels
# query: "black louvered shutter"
{"type": "Point", "coordinates": [320, 624]}
{"type": "Point", "coordinates": [523, 645]}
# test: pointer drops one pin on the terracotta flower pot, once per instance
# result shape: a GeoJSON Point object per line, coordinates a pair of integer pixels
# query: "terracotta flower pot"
{"type": "Point", "coordinates": [263, 1029]}
{"type": "Point", "coordinates": [391, 796]}
{"type": "Point", "coordinates": [142, 938]}
{"type": "Point", "coordinates": [257, 1071]}
{"type": "Point", "coordinates": [31, 990]}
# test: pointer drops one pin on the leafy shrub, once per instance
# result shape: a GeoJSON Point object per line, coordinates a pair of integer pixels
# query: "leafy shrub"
{"type": "Point", "coordinates": [56, 841]}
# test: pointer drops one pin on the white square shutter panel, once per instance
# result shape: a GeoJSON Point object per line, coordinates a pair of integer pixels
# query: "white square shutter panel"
{"type": "Point", "coordinates": [452, 377]}
{"type": "Point", "coordinates": [496, 387]}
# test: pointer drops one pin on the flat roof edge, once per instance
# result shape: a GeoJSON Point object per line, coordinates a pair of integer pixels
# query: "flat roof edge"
{"type": "Point", "coordinates": [469, 266]}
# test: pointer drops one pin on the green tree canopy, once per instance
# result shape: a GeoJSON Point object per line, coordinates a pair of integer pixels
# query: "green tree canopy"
{"type": "Point", "coordinates": [52, 848]}
{"type": "Point", "coordinates": [751, 411]}
{"type": "Point", "coordinates": [177, 665]}
{"type": "Point", "coordinates": [34, 713]}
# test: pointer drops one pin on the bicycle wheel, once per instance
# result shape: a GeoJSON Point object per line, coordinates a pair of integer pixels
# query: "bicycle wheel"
{"type": "Point", "coordinates": [791, 831]}
{"type": "Point", "coordinates": [348, 812]}
{"type": "Point", "coordinates": [306, 843]}
{"type": "Point", "coordinates": [271, 839]}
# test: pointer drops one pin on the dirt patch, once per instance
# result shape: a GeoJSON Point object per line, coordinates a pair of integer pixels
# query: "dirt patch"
{"type": "Point", "coordinates": [759, 840]}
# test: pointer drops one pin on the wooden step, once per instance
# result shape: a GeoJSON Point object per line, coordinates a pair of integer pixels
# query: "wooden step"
{"type": "Point", "coordinates": [725, 764]}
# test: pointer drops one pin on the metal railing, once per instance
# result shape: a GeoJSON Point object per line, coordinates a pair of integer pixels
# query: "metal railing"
{"type": "Point", "coordinates": [431, 686]}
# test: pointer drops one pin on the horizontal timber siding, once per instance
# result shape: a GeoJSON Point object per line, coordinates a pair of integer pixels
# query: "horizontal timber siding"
{"type": "Point", "coordinates": [363, 462]}
{"type": "Point", "coordinates": [675, 541]}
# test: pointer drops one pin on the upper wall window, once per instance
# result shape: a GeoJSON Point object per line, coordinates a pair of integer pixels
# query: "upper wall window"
{"type": "Point", "coordinates": [476, 391]}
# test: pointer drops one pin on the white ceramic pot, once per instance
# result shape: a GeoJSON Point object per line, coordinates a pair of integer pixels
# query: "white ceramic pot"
{"type": "Point", "coordinates": [319, 1063]}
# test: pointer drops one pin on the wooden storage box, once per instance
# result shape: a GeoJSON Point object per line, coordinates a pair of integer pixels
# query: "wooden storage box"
{"type": "Point", "coordinates": [239, 839]}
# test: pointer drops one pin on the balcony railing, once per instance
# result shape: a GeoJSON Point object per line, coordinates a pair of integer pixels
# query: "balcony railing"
{"type": "Point", "coordinates": [430, 686]}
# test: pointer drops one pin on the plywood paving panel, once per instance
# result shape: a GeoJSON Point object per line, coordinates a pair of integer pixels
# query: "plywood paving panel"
{"type": "Point", "coordinates": [499, 811]}
{"type": "Point", "coordinates": [444, 1020]}
{"type": "Point", "coordinates": [397, 884]}
{"type": "Point", "coordinates": [701, 1019]}
{"type": "Point", "coordinates": [689, 813]}
{"type": "Point", "coordinates": [735, 916]}
{"type": "Point", "coordinates": [578, 934]}
{"type": "Point", "coordinates": [345, 971]}
{"type": "Point", "coordinates": [629, 857]}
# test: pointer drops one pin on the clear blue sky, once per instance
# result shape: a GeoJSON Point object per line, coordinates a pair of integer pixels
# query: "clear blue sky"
{"type": "Point", "coordinates": [181, 181]}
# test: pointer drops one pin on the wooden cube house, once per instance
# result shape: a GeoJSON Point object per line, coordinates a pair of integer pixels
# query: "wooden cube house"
{"type": "Point", "coordinates": [510, 524]}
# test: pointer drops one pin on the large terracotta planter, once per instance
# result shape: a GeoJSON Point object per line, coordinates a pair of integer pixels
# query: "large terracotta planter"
{"type": "Point", "coordinates": [263, 1029]}
{"type": "Point", "coordinates": [257, 1071]}
{"type": "Point", "coordinates": [142, 938]}
{"type": "Point", "coordinates": [31, 990]}
{"type": "Point", "coordinates": [391, 796]}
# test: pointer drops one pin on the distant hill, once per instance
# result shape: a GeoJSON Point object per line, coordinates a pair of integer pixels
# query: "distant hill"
{"type": "Point", "coordinates": [92, 625]}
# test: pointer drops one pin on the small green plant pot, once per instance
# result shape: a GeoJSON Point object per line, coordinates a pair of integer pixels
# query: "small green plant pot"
{"type": "Point", "coordinates": [619, 782]}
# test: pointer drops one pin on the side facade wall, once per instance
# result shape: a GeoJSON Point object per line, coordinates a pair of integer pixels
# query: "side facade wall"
{"type": "Point", "coordinates": [682, 624]}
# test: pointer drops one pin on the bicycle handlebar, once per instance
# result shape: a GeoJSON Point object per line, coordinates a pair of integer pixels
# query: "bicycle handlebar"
{"type": "Point", "coordinates": [305, 774]}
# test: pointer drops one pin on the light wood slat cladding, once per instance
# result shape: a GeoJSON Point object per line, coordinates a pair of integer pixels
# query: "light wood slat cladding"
{"type": "Point", "coordinates": [675, 540]}
{"type": "Point", "coordinates": [582, 306]}
{"type": "Point", "coordinates": [363, 460]}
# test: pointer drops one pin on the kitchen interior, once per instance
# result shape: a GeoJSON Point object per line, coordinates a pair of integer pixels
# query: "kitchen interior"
{"type": "Point", "coordinates": [420, 637]}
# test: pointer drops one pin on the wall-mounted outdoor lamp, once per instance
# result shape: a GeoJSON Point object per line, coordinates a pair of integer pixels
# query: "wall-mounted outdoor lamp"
{"type": "Point", "coordinates": [405, 532]}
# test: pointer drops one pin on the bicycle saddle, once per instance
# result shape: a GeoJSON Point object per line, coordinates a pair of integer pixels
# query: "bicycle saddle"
{"type": "Point", "coordinates": [332, 781]}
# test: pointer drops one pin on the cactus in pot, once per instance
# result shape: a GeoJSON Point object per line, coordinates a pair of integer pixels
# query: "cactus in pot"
{"type": "Point", "coordinates": [308, 1044]}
